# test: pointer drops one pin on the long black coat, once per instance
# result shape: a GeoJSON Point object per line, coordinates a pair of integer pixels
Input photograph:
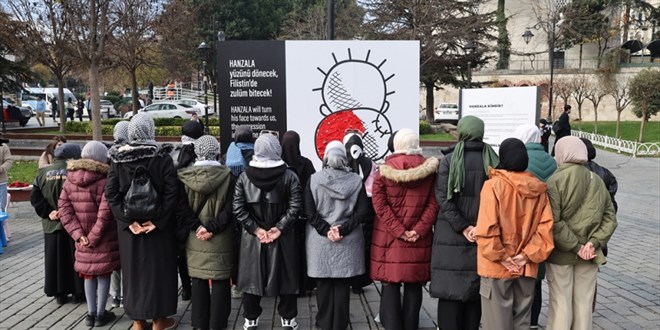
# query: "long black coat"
{"type": "Point", "coordinates": [271, 269]}
{"type": "Point", "coordinates": [148, 261]}
{"type": "Point", "coordinates": [454, 259]}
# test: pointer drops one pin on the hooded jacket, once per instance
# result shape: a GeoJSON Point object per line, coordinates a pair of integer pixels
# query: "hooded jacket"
{"type": "Point", "coordinates": [403, 200]}
{"type": "Point", "coordinates": [267, 198]}
{"type": "Point", "coordinates": [125, 159]}
{"type": "Point", "coordinates": [583, 212]}
{"type": "Point", "coordinates": [514, 218]}
{"type": "Point", "coordinates": [210, 192]}
{"type": "Point", "coordinates": [335, 198]}
{"type": "Point", "coordinates": [541, 164]}
{"type": "Point", "coordinates": [84, 212]}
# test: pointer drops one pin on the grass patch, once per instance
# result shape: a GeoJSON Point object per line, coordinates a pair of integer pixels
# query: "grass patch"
{"type": "Point", "coordinates": [629, 129]}
{"type": "Point", "coordinates": [437, 137]}
{"type": "Point", "coordinates": [23, 171]}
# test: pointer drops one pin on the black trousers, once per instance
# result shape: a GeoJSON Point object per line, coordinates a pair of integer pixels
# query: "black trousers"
{"type": "Point", "coordinates": [182, 263]}
{"type": "Point", "coordinates": [536, 304]}
{"type": "Point", "coordinates": [458, 315]}
{"type": "Point", "coordinates": [287, 306]}
{"type": "Point", "coordinates": [210, 309]}
{"type": "Point", "coordinates": [333, 297]}
{"type": "Point", "coordinates": [393, 314]}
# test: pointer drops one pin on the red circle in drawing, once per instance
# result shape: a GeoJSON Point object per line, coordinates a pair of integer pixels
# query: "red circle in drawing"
{"type": "Point", "coordinates": [333, 127]}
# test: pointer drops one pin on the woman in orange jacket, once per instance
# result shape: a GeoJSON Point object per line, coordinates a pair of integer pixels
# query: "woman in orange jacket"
{"type": "Point", "coordinates": [514, 235]}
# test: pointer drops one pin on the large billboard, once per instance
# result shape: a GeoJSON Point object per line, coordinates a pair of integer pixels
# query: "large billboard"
{"type": "Point", "coordinates": [502, 109]}
{"type": "Point", "coordinates": [320, 89]}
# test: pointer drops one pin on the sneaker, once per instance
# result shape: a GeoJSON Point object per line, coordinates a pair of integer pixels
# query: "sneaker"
{"type": "Point", "coordinates": [251, 324]}
{"type": "Point", "coordinates": [290, 324]}
{"type": "Point", "coordinates": [235, 294]}
{"type": "Point", "coordinates": [116, 302]}
{"type": "Point", "coordinates": [89, 320]}
{"type": "Point", "coordinates": [534, 326]}
{"type": "Point", "coordinates": [104, 319]}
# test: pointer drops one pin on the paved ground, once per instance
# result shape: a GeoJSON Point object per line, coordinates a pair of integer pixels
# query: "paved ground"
{"type": "Point", "coordinates": [628, 294]}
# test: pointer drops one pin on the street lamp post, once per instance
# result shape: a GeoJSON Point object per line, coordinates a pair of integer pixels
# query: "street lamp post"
{"type": "Point", "coordinates": [204, 51]}
{"type": "Point", "coordinates": [469, 48]}
{"type": "Point", "coordinates": [527, 36]}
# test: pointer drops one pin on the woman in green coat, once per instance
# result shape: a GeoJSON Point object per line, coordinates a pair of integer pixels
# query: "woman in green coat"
{"type": "Point", "coordinates": [209, 188]}
{"type": "Point", "coordinates": [584, 222]}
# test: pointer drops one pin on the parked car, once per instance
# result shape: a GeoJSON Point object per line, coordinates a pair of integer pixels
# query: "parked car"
{"type": "Point", "coordinates": [167, 109]}
{"type": "Point", "coordinates": [107, 107]}
{"type": "Point", "coordinates": [446, 112]}
{"type": "Point", "coordinates": [191, 102]}
{"type": "Point", "coordinates": [13, 113]}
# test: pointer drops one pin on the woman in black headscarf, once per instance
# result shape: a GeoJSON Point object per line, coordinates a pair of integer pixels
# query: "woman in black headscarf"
{"type": "Point", "coordinates": [304, 169]}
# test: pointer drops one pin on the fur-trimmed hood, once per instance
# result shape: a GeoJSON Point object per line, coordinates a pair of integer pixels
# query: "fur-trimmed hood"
{"type": "Point", "coordinates": [408, 169]}
{"type": "Point", "coordinates": [131, 152]}
{"type": "Point", "coordinates": [84, 172]}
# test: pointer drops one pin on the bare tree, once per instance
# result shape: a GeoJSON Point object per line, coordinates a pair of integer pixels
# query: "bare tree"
{"type": "Point", "coordinates": [563, 89]}
{"type": "Point", "coordinates": [595, 94]}
{"type": "Point", "coordinates": [46, 39]}
{"type": "Point", "coordinates": [579, 86]}
{"type": "Point", "coordinates": [178, 38]}
{"type": "Point", "coordinates": [619, 90]}
{"type": "Point", "coordinates": [93, 22]}
{"type": "Point", "coordinates": [135, 40]}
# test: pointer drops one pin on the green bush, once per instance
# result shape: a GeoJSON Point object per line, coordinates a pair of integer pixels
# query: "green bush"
{"type": "Point", "coordinates": [112, 98]}
{"type": "Point", "coordinates": [424, 127]}
{"type": "Point", "coordinates": [161, 130]}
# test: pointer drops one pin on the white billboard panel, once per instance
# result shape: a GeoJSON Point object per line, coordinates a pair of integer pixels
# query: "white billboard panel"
{"type": "Point", "coordinates": [502, 109]}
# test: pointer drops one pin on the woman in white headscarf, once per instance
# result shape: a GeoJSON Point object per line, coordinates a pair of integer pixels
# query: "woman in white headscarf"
{"type": "Point", "coordinates": [335, 204]}
{"type": "Point", "coordinates": [147, 247]}
{"type": "Point", "coordinates": [267, 201]}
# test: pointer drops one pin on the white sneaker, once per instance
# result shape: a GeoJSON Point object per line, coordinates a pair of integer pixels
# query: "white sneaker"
{"type": "Point", "coordinates": [291, 324]}
{"type": "Point", "coordinates": [251, 324]}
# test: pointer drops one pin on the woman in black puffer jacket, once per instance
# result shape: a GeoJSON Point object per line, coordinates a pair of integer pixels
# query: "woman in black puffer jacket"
{"type": "Point", "coordinates": [454, 278]}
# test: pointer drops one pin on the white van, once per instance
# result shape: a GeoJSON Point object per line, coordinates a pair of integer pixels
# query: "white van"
{"type": "Point", "coordinates": [30, 94]}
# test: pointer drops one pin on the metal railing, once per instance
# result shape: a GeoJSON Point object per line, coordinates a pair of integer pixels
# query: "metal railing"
{"type": "Point", "coordinates": [651, 149]}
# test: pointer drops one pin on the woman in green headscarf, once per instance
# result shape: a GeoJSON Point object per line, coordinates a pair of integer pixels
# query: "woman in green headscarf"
{"type": "Point", "coordinates": [454, 278]}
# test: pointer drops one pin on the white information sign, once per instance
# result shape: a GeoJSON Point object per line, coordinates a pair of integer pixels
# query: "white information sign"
{"type": "Point", "coordinates": [502, 110]}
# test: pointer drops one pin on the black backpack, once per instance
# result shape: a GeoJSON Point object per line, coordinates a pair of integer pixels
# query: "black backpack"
{"type": "Point", "coordinates": [141, 201]}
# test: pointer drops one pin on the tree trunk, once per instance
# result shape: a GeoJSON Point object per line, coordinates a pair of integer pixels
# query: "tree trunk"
{"type": "Point", "coordinates": [97, 130]}
{"type": "Point", "coordinates": [60, 102]}
{"type": "Point", "coordinates": [430, 112]}
{"type": "Point", "coordinates": [580, 62]}
{"type": "Point", "coordinates": [618, 123]}
{"type": "Point", "coordinates": [644, 107]}
{"type": "Point", "coordinates": [596, 118]}
{"type": "Point", "coordinates": [503, 42]}
{"type": "Point", "coordinates": [134, 91]}
{"type": "Point", "coordinates": [626, 23]}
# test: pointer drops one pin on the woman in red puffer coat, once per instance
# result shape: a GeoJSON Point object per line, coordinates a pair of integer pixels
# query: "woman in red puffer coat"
{"type": "Point", "coordinates": [406, 209]}
{"type": "Point", "coordinates": [86, 216]}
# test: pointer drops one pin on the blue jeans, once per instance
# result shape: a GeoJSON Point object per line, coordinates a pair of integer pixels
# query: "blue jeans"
{"type": "Point", "coordinates": [3, 197]}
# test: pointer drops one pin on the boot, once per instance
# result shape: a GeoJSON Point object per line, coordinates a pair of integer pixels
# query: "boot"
{"type": "Point", "coordinates": [164, 323]}
{"type": "Point", "coordinates": [139, 325]}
